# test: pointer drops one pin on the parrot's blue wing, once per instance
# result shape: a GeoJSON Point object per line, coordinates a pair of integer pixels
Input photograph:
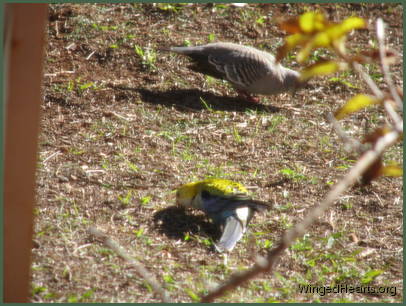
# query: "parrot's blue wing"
{"type": "Point", "coordinates": [213, 204]}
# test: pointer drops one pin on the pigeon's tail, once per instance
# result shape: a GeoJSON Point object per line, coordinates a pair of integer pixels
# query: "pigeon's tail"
{"type": "Point", "coordinates": [187, 50]}
{"type": "Point", "coordinates": [232, 233]}
{"type": "Point", "coordinates": [164, 49]}
{"type": "Point", "coordinates": [181, 50]}
{"type": "Point", "coordinates": [200, 60]}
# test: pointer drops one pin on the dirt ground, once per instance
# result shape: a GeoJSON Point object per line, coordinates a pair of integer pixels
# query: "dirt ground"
{"type": "Point", "coordinates": [124, 123]}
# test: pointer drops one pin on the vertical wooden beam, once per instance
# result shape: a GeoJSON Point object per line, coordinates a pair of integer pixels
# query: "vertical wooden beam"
{"type": "Point", "coordinates": [24, 48]}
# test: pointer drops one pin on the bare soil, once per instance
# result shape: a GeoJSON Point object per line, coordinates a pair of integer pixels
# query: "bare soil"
{"type": "Point", "coordinates": [122, 129]}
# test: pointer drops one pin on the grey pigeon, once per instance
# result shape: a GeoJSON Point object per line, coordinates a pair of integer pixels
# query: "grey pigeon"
{"type": "Point", "coordinates": [249, 70]}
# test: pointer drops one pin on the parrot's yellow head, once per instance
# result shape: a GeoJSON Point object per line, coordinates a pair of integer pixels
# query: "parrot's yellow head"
{"type": "Point", "coordinates": [186, 193]}
{"type": "Point", "coordinates": [189, 195]}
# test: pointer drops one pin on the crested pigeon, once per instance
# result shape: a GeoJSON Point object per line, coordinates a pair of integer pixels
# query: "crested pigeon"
{"type": "Point", "coordinates": [249, 70]}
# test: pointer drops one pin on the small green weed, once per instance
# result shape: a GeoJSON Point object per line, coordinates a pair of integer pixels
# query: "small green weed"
{"type": "Point", "coordinates": [147, 56]}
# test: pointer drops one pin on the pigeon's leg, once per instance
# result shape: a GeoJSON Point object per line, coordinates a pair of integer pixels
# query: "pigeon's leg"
{"type": "Point", "coordinates": [245, 95]}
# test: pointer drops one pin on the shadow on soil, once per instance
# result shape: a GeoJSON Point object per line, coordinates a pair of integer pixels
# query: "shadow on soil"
{"type": "Point", "coordinates": [194, 99]}
{"type": "Point", "coordinates": [175, 223]}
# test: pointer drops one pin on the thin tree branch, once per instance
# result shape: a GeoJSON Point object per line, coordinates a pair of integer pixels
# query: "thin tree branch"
{"type": "Point", "coordinates": [380, 33]}
{"type": "Point", "coordinates": [366, 77]}
{"type": "Point", "coordinates": [139, 267]}
{"type": "Point", "coordinates": [379, 95]}
{"type": "Point", "coordinates": [350, 144]}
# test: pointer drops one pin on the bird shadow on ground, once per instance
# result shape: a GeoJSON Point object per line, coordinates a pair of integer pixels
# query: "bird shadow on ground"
{"type": "Point", "coordinates": [175, 223]}
{"type": "Point", "coordinates": [194, 99]}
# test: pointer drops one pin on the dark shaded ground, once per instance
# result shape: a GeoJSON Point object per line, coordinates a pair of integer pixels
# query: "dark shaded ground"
{"type": "Point", "coordinates": [121, 130]}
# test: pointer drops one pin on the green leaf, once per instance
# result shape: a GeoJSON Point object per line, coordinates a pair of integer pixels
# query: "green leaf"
{"type": "Point", "coordinates": [355, 104]}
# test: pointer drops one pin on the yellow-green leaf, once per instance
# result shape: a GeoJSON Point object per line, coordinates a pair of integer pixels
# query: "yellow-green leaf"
{"type": "Point", "coordinates": [304, 53]}
{"type": "Point", "coordinates": [321, 39]}
{"type": "Point", "coordinates": [354, 104]}
{"type": "Point", "coordinates": [320, 68]}
{"type": "Point", "coordinates": [352, 23]}
{"type": "Point", "coordinates": [310, 22]}
{"type": "Point", "coordinates": [296, 39]}
{"type": "Point", "coordinates": [291, 42]}
{"type": "Point", "coordinates": [392, 170]}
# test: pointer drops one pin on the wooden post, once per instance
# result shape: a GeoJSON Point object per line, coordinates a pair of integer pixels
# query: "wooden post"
{"type": "Point", "coordinates": [24, 48]}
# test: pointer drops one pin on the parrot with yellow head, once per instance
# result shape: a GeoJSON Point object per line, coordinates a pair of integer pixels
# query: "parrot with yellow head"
{"type": "Point", "coordinates": [226, 202]}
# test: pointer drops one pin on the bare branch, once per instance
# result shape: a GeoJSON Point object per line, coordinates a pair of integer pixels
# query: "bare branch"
{"type": "Point", "coordinates": [350, 144]}
{"type": "Point", "coordinates": [139, 267]}
{"type": "Point", "coordinates": [365, 76]}
{"type": "Point", "coordinates": [262, 265]}
{"type": "Point", "coordinates": [379, 95]}
{"type": "Point", "coordinates": [380, 29]}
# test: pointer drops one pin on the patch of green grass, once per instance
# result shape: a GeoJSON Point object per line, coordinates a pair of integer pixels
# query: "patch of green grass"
{"type": "Point", "coordinates": [211, 37]}
{"type": "Point", "coordinates": [148, 57]}
{"type": "Point", "coordinates": [206, 105]}
{"type": "Point", "coordinates": [261, 20]}
{"type": "Point", "coordinates": [236, 135]}
{"type": "Point", "coordinates": [85, 297]}
{"type": "Point", "coordinates": [276, 120]}
{"type": "Point", "coordinates": [79, 86]}
{"type": "Point", "coordinates": [347, 163]}
{"type": "Point", "coordinates": [293, 175]}
{"type": "Point", "coordinates": [170, 7]}
{"type": "Point", "coordinates": [145, 200]}
{"type": "Point", "coordinates": [99, 27]}
{"type": "Point", "coordinates": [342, 81]}
{"type": "Point", "coordinates": [325, 144]}
{"type": "Point", "coordinates": [125, 199]}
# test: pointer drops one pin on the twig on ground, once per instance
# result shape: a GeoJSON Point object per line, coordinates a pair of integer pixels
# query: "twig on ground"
{"type": "Point", "coordinates": [139, 267]}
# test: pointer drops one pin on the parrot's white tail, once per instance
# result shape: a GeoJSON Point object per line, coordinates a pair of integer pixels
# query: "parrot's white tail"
{"type": "Point", "coordinates": [232, 233]}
